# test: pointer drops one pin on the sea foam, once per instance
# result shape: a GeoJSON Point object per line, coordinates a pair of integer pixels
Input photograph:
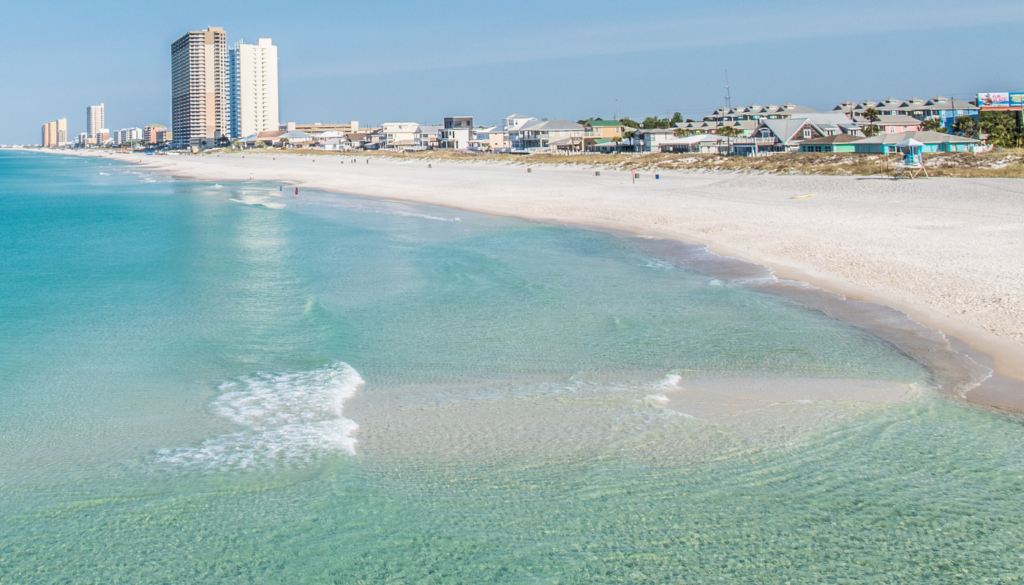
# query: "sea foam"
{"type": "Point", "coordinates": [288, 419]}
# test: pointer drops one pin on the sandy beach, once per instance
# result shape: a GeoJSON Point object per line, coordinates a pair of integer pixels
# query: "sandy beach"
{"type": "Point", "coordinates": [948, 252]}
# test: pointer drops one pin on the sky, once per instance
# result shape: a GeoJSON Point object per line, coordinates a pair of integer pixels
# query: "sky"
{"type": "Point", "coordinates": [393, 61]}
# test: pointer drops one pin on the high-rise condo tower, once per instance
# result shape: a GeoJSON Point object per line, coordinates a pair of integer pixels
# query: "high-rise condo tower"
{"type": "Point", "coordinates": [93, 121]}
{"type": "Point", "coordinates": [252, 70]}
{"type": "Point", "coordinates": [200, 106]}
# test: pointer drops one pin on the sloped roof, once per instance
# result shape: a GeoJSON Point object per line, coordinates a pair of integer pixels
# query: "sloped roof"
{"type": "Point", "coordinates": [924, 137]}
{"type": "Point", "coordinates": [604, 123]}
{"type": "Point", "coordinates": [787, 128]}
{"type": "Point", "coordinates": [550, 125]}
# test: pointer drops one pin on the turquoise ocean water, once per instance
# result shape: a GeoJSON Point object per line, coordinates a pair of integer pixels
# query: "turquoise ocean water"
{"type": "Point", "coordinates": [207, 383]}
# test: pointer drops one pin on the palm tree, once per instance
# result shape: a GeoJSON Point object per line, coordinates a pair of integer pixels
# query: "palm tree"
{"type": "Point", "coordinates": [871, 115]}
{"type": "Point", "coordinates": [933, 125]}
{"type": "Point", "coordinates": [966, 126]}
{"type": "Point", "coordinates": [729, 132]}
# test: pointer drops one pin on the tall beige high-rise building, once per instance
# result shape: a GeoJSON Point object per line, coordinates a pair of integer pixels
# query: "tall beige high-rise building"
{"type": "Point", "coordinates": [200, 107]}
{"type": "Point", "coordinates": [55, 133]}
{"type": "Point", "coordinates": [94, 121]}
{"type": "Point", "coordinates": [49, 135]}
{"type": "Point", "coordinates": [252, 70]}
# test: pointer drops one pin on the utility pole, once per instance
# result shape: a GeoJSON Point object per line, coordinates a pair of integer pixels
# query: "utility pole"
{"type": "Point", "coordinates": [728, 96]}
{"type": "Point", "coordinates": [616, 109]}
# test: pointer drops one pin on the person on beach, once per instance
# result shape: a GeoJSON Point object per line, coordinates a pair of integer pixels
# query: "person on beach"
{"type": "Point", "coordinates": [296, 192]}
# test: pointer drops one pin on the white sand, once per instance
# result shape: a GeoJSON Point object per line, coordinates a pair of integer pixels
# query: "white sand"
{"type": "Point", "coordinates": [949, 252]}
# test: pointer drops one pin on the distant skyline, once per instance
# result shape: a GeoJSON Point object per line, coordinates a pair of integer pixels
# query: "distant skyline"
{"type": "Point", "coordinates": [419, 61]}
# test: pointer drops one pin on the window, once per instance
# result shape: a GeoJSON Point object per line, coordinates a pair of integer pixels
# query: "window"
{"type": "Point", "coordinates": [807, 133]}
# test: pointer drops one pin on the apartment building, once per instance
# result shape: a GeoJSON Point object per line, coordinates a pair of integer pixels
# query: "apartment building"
{"type": "Point", "coordinates": [200, 95]}
{"type": "Point", "coordinates": [94, 121]}
{"type": "Point", "coordinates": [252, 78]}
{"type": "Point", "coordinates": [150, 132]}
{"type": "Point", "coordinates": [55, 134]}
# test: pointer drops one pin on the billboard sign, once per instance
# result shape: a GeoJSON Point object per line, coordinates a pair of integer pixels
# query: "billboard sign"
{"type": "Point", "coordinates": [994, 100]}
{"type": "Point", "coordinates": [1017, 100]}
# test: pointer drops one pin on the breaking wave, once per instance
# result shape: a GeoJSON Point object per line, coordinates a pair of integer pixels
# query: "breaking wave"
{"type": "Point", "coordinates": [288, 419]}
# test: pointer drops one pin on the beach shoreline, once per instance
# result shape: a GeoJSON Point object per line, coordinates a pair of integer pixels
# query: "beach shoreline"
{"type": "Point", "coordinates": [752, 227]}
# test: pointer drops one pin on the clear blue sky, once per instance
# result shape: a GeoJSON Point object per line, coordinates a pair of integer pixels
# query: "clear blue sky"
{"type": "Point", "coordinates": [420, 61]}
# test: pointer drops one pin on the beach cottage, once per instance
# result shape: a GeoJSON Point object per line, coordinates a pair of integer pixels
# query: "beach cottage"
{"type": "Point", "coordinates": [931, 141]}
{"type": "Point", "coordinates": [650, 139]}
{"type": "Point", "coordinates": [698, 143]}
{"type": "Point", "coordinates": [773, 136]}
{"type": "Point", "coordinates": [398, 135]}
{"type": "Point", "coordinates": [833, 143]}
{"type": "Point", "coordinates": [550, 135]}
{"type": "Point", "coordinates": [427, 137]}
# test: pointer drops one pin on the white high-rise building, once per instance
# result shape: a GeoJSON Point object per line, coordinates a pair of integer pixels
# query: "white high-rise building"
{"type": "Point", "coordinates": [252, 70]}
{"type": "Point", "coordinates": [93, 121]}
{"type": "Point", "coordinates": [200, 106]}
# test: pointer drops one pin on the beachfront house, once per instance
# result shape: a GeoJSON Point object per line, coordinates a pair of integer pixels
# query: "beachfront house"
{"type": "Point", "coordinates": [744, 127]}
{"type": "Point", "coordinates": [515, 122]}
{"type": "Point", "coordinates": [891, 124]}
{"type": "Point", "coordinates": [833, 143]}
{"type": "Point", "coordinates": [548, 135]}
{"type": "Point", "coordinates": [269, 138]}
{"type": "Point", "coordinates": [295, 139]}
{"type": "Point", "coordinates": [456, 132]}
{"type": "Point", "coordinates": [491, 139]}
{"type": "Point", "coordinates": [330, 140]}
{"type": "Point", "coordinates": [605, 129]}
{"type": "Point", "coordinates": [697, 144]}
{"type": "Point", "coordinates": [650, 139]}
{"type": "Point", "coordinates": [602, 131]}
{"type": "Point", "coordinates": [398, 135]}
{"type": "Point", "coordinates": [777, 135]}
{"type": "Point", "coordinates": [945, 110]}
{"type": "Point", "coordinates": [756, 113]}
{"type": "Point", "coordinates": [427, 137]}
{"type": "Point", "coordinates": [931, 141]}
{"type": "Point", "coordinates": [373, 140]}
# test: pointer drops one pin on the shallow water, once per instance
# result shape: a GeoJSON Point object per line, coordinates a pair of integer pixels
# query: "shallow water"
{"type": "Point", "coordinates": [215, 383]}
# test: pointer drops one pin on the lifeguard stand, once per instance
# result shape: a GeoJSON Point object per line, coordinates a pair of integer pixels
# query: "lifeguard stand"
{"type": "Point", "coordinates": [913, 159]}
